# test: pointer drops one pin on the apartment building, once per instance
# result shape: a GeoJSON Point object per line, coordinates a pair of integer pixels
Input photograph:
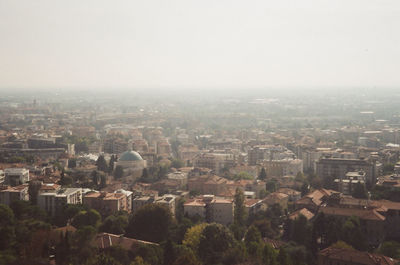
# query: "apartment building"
{"type": "Point", "coordinates": [54, 200]}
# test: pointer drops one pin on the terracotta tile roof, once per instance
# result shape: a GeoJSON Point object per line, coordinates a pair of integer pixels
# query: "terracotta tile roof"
{"type": "Point", "coordinates": [306, 213]}
{"type": "Point", "coordinates": [356, 257]}
{"type": "Point", "coordinates": [195, 202]}
{"type": "Point", "coordinates": [315, 197]}
{"type": "Point", "coordinates": [365, 214]}
{"type": "Point", "coordinates": [251, 202]}
{"type": "Point", "coordinates": [276, 244]}
{"type": "Point", "coordinates": [105, 240]}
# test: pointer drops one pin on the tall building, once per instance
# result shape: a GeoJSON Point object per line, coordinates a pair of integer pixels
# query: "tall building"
{"type": "Point", "coordinates": [336, 168]}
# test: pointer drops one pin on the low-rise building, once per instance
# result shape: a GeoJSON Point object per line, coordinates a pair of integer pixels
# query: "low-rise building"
{"type": "Point", "coordinates": [169, 201]}
{"type": "Point", "coordinates": [16, 176]}
{"type": "Point", "coordinates": [140, 201]}
{"type": "Point", "coordinates": [344, 256]}
{"type": "Point", "coordinates": [277, 198]}
{"type": "Point", "coordinates": [211, 209]}
{"type": "Point", "coordinates": [10, 194]}
{"type": "Point", "coordinates": [106, 203]}
{"type": "Point", "coordinates": [54, 201]}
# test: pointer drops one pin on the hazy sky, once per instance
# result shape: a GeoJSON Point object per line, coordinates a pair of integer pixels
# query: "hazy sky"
{"type": "Point", "coordinates": [199, 43]}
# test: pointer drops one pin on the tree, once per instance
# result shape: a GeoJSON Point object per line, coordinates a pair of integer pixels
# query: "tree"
{"type": "Point", "coordinates": [177, 163]}
{"type": "Point", "coordinates": [390, 249]}
{"type": "Point", "coordinates": [115, 224]}
{"type": "Point", "coordinates": [72, 163]}
{"type": "Point", "coordinates": [270, 255]}
{"type": "Point", "coordinates": [169, 253]}
{"type": "Point", "coordinates": [283, 257]}
{"type": "Point", "coordinates": [215, 241]}
{"type": "Point", "coordinates": [240, 210]}
{"type": "Point", "coordinates": [113, 159]}
{"type": "Point", "coordinates": [253, 242]}
{"type": "Point", "coordinates": [102, 164]}
{"type": "Point", "coordinates": [87, 218]}
{"type": "Point", "coordinates": [301, 230]}
{"type": "Point", "coordinates": [95, 177]}
{"type": "Point", "coordinates": [187, 258]}
{"type": "Point", "coordinates": [242, 175]}
{"type": "Point", "coordinates": [353, 234]}
{"type": "Point", "coordinates": [271, 186]}
{"type": "Point", "coordinates": [145, 176]}
{"type": "Point", "coordinates": [103, 181]}
{"type": "Point", "coordinates": [7, 229]}
{"type": "Point", "coordinates": [151, 223]}
{"type": "Point", "coordinates": [139, 261]}
{"type": "Point", "coordinates": [359, 191]}
{"type": "Point", "coordinates": [341, 244]}
{"type": "Point", "coordinates": [119, 172]}
{"type": "Point", "coordinates": [33, 190]}
{"type": "Point", "coordinates": [264, 226]}
{"type": "Point", "coordinates": [192, 236]}
{"type": "Point", "coordinates": [262, 175]}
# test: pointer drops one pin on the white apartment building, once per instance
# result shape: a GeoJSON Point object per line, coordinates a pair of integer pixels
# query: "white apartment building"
{"type": "Point", "coordinates": [53, 201]}
{"type": "Point", "coordinates": [16, 176]}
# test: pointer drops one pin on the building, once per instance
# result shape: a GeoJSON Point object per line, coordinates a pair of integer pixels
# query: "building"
{"type": "Point", "coordinates": [187, 152]}
{"type": "Point", "coordinates": [180, 177]}
{"type": "Point", "coordinates": [313, 200]}
{"type": "Point", "coordinates": [129, 198]}
{"type": "Point", "coordinates": [210, 209]}
{"type": "Point", "coordinates": [2, 176]}
{"type": "Point", "coordinates": [277, 198]}
{"type": "Point", "coordinates": [16, 176]}
{"type": "Point", "coordinates": [268, 152]}
{"type": "Point", "coordinates": [344, 256]}
{"type": "Point", "coordinates": [106, 203]}
{"type": "Point", "coordinates": [347, 183]}
{"type": "Point", "coordinates": [132, 163]}
{"type": "Point", "coordinates": [115, 146]}
{"type": "Point", "coordinates": [336, 168]}
{"type": "Point", "coordinates": [208, 184]}
{"type": "Point", "coordinates": [10, 194]}
{"type": "Point", "coordinates": [169, 201]}
{"type": "Point", "coordinates": [283, 167]}
{"type": "Point", "coordinates": [140, 201]}
{"type": "Point", "coordinates": [54, 201]}
{"type": "Point", "coordinates": [214, 161]}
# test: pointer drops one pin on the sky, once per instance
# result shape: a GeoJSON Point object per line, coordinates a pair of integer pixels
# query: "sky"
{"type": "Point", "coordinates": [196, 44]}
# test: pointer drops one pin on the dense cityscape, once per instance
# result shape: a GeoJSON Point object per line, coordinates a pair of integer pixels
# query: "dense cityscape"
{"type": "Point", "coordinates": [292, 177]}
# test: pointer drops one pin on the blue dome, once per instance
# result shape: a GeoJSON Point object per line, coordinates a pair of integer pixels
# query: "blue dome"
{"type": "Point", "coordinates": [130, 156]}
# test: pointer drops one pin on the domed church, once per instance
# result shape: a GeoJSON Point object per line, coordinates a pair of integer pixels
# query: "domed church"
{"type": "Point", "coordinates": [132, 163]}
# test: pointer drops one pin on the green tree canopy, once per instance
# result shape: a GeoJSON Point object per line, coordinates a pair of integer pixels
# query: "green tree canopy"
{"type": "Point", "coordinates": [151, 223]}
{"type": "Point", "coordinates": [215, 242]}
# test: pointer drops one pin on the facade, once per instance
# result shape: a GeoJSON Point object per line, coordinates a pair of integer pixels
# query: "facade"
{"type": "Point", "coordinates": [208, 184]}
{"type": "Point", "coordinates": [106, 203]}
{"type": "Point", "coordinates": [335, 168]}
{"type": "Point", "coordinates": [140, 201]}
{"type": "Point", "coordinates": [10, 194]}
{"type": "Point", "coordinates": [347, 183]}
{"type": "Point", "coordinates": [214, 161]}
{"type": "Point", "coordinates": [129, 198]}
{"type": "Point", "coordinates": [16, 176]}
{"type": "Point", "coordinates": [169, 201]}
{"type": "Point", "coordinates": [284, 167]}
{"type": "Point", "coordinates": [211, 209]}
{"type": "Point", "coordinates": [53, 201]}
